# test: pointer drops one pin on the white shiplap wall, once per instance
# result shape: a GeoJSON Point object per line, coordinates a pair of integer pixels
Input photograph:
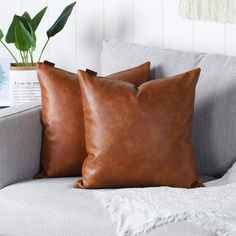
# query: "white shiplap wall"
{"type": "Point", "coordinates": [149, 22]}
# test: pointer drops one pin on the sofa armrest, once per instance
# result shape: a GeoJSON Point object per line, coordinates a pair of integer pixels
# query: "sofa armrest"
{"type": "Point", "coordinates": [20, 143]}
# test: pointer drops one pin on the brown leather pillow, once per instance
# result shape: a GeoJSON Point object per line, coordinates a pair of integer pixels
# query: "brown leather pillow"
{"type": "Point", "coordinates": [138, 136]}
{"type": "Point", "coordinates": [63, 150]}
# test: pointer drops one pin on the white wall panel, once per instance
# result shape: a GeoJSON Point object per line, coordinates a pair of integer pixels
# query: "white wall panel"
{"type": "Point", "coordinates": [209, 37]}
{"type": "Point", "coordinates": [62, 47]}
{"type": "Point", "coordinates": [150, 22]}
{"type": "Point", "coordinates": [147, 15]}
{"type": "Point", "coordinates": [89, 33]}
{"type": "Point", "coordinates": [177, 32]}
{"type": "Point", "coordinates": [230, 40]}
{"type": "Point", "coordinates": [118, 19]}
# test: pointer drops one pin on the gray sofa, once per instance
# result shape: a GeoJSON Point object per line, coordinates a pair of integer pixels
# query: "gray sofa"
{"type": "Point", "coordinates": [49, 207]}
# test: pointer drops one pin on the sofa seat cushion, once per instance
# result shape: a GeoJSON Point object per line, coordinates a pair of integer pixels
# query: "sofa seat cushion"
{"type": "Point", "coordinates": [53, 207]}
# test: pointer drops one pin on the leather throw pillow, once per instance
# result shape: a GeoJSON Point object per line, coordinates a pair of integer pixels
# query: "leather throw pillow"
{"type": "Point", "coordinates": [138, 136]}
{"type": "Point", "coordinates": [63, 147]}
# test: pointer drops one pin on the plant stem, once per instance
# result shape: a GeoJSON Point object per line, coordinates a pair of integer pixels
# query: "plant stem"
{"type": "Point", "coordinates": [31, 57]}
{"type": "Point", "coordinates": [22, 57]}
{"type": "Point", "coordinates": [24, 53]}
{"type": "Point", "coordinates": [9, 51]}
{"type": "Point", "coordinates": [27, 57]}
{"type": "Point", "coordinates": [43, 50]}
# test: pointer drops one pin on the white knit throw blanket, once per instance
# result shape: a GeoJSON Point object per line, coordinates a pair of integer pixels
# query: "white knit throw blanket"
{"type": "Point", "coordinates": [223, 11]}
{"type": "Point", "coordinates": [138, 210]}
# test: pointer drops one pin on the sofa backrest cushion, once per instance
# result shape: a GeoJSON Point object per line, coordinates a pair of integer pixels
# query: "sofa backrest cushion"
{"type": "Point", "coordinates": [214, 124]}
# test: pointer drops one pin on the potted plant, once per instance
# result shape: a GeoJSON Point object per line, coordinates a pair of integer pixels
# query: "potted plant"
{"type": "Point", "coordinates": [22, 34]}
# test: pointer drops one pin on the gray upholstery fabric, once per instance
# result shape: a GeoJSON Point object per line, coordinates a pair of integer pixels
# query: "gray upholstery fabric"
{"type": "Point", "coordinates": [52, 207]}
{"type": "Point", "coordinates": [205, 178]}
{"type": "Point", "coordinates": [20, 143]}
{"type": "Point", "coordinates": [214, 126]}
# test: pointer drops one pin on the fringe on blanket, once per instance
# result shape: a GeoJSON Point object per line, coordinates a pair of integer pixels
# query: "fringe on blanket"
{"type": "Point", "coordinates": [222, 11]}
{"type": "Point", "coordinates": [212, 221]}
{"type": "Point", "coordinates": [205, 220]}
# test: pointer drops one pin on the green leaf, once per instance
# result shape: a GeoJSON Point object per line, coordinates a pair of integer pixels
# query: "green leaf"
{"type": "Point", "coordinates": [27, 17]}
{"type": "Point", "coordinates": [61, 21]}
{"type": "Point", "coordinates": [34, 39]}
{"type": "Point", "coordinates": [23, 39]}
{"type": "Point", "coordinates": [37, 19]}
{"type": "Point", "coordinates": [25, 22]}
{"type": "Point", "coordinates": [10, 37]}
{"type": "Point", "coordinates": [1, 34]}
{"type": "Point", "coordinates": [28, 22]}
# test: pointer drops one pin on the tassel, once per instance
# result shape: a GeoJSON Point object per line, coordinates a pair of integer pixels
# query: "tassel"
{"type": "Point", "coordinates": [223, 11]}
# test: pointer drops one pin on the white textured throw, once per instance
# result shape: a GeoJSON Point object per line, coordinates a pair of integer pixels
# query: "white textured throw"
{"type": "Point", "coordinates": [223, 11]}
{"type": "Point", "coordinates": [138, 210]}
